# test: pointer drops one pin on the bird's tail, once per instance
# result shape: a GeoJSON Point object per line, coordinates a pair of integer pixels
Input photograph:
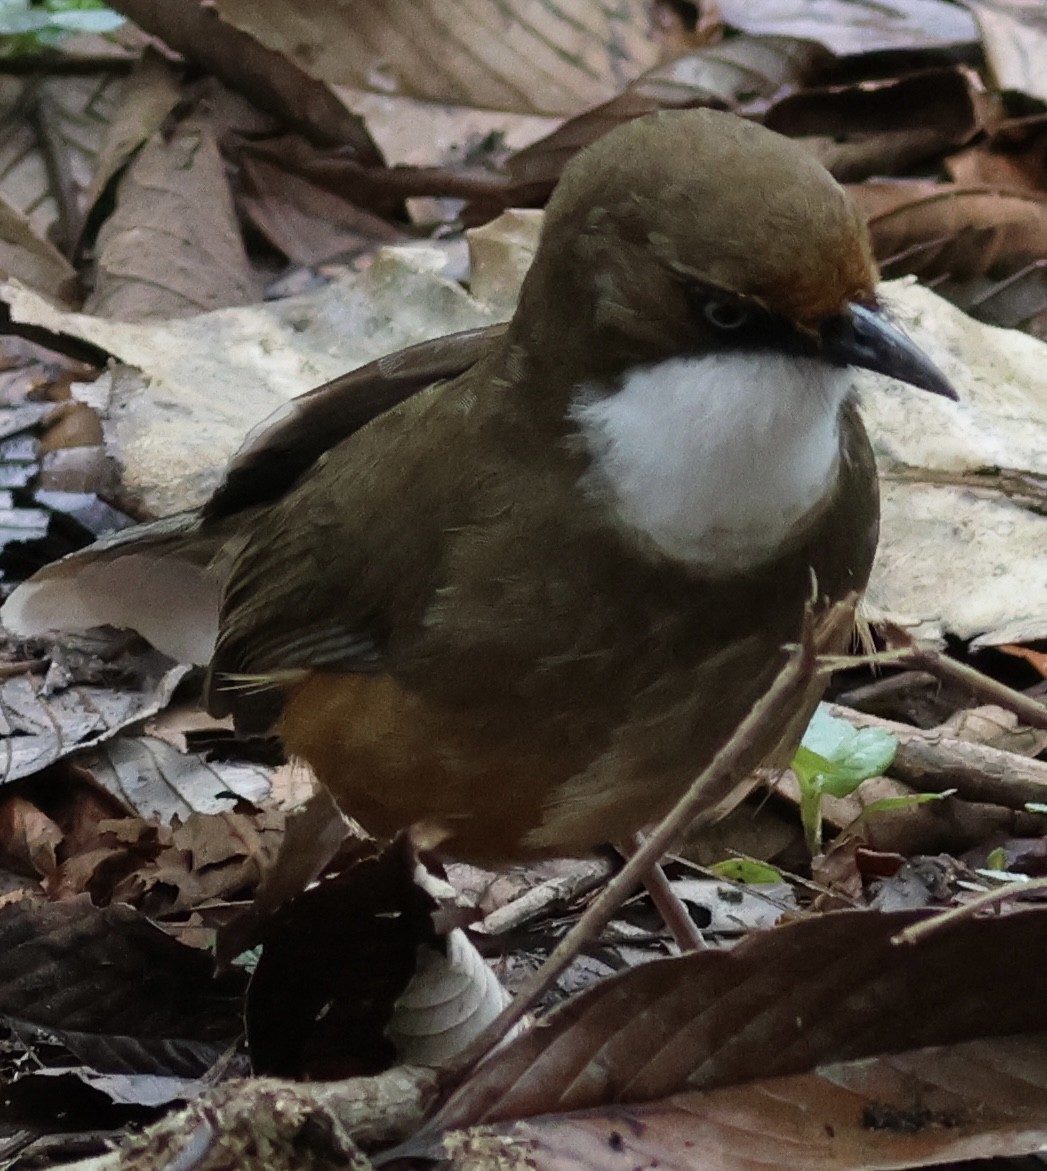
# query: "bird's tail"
{"type": "Point", "coordinates": [162, 579]}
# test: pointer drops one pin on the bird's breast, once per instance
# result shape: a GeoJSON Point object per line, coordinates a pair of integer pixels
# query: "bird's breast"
{"type": "Point", "coordinates": [719, 460]}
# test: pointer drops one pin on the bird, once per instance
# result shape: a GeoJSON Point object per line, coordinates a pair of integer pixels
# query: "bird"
{"type": "Point", "coordinates": [521, 585]}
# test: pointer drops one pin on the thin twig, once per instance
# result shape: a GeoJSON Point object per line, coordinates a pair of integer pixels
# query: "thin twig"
{"type": "Point", "coordinates": [919, 931]}
{"type": "Point", "coordinates": [705, 793]}
{"type": "Point", "coordinates": [667, 902]}
{"type": "Point", "coordinates": [1030, 710]}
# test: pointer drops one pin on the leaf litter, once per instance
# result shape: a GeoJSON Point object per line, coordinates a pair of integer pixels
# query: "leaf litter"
{"type": "Point", "coordinates": [146, 868]}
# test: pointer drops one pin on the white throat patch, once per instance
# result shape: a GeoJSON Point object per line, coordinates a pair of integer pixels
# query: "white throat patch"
{"type": "Point", "coordinates": [717, 459]}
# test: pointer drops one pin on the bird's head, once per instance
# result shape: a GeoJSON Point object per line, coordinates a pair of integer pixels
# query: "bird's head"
{"type": "Point", "coordinates": [694, 231]}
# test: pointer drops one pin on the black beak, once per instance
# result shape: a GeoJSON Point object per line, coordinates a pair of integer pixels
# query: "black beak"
{"type": "Point", "coordinates": [862, 337]}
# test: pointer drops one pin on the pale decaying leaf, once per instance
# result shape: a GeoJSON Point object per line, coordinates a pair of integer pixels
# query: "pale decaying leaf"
{"type": "Point", "coordinates": [501, 253]}
{"type": "Point", "coordinates": [847, 26]}
{"type": "Point", "coordinates": [526, 55]}
{"type": "Point", "coordinates": [735, 908]}
{"type": "Point", "coordinates": [449, 1001]}
{"type": "Point", "coordinates": [41, 723]}
{"type": "Point", "coordinates": [157, 781]}
{"type": "Point", "coordinates": [451, 997]}
{"type": "Point", "coordinates": [1014, 37]}
{"type": "Point", "coordinates": [952, 559]}
{"type": "Point", "coordinates": [207, 380]}
{"type": "Point", "coordinates": [411, 132]}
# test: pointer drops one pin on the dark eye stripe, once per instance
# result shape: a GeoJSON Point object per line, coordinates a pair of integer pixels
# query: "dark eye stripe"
{"type": "Point", "coordinates": [743, 325]}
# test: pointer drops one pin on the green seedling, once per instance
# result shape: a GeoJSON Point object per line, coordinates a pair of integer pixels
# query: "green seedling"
{"type": "Point", "coordinates": [28, 29]}
{"type": "Point", "coordinates": [746, 870]}
{"type": "Point", "coordinates": [833, 759]}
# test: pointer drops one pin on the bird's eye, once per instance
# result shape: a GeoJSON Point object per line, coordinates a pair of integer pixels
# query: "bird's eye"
{"type": "Point", "coordinates": [726, 314]}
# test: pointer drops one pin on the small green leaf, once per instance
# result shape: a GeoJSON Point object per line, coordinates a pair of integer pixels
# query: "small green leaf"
{"type": "Point", "coordinates": [1035, 807]}
{"type": "Point", "coordinates": [809, 766]}
{"type": "Point", "coordinates": [854, 754]}
{"type": "Point", "coordinates": [997, 859]}
{"type": "Point", "coordinates": [909, 801]}
{"type": "Point", "coordinates": [746, 870]}
{"type": "Point", "coordinates": [29, 28]}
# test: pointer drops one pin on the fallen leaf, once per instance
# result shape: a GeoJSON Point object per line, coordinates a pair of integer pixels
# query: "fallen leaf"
{"type": "Point", "coordinates": [172, 434]}
{"type": "Point", "coordinates": [172, 246]}
{"type": "Point", "coordinates": [972, 244]}
{"type": "Point", "coordinates": [155, 780]}
{"type": "Point", "coordinates": [860, 130]}
{"type": "Point", "coordinates": [50, 138]}
{"type": "Point", "coordinates": [831, 988]}
{"type": "Point", "coordinates": [742, 70]}
{"type": "Point", "coordinates": [980, 1100]}
{"type": "Point", "coordinates": [112, 989]}
{"type": "Point", "coordinates": [29, 258]}
{"type": "Point", "coordinates": [375, 981]}
{"type": "Point", "coordinates": [524, 55]}
{"type": "Point", "coordinates": [857, 26]}
{"type": "Point", "coordinates": [1037, 659]}
{"type": "Point", "coordinates": [42, 722]}
{"type": "Point", "coordinates": [270, 79]}
{"type": "Point", "coordinates": [1014, 39]}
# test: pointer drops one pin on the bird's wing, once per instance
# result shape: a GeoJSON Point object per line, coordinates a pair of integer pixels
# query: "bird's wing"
{"type": "Point", "coordinates": [291, 440]}
{"type": "Point", "coordinates": [164, 579]}
{"type": "Point", "coordinates": [345, 560]}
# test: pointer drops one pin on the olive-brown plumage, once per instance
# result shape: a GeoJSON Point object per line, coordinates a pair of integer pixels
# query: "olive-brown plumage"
{"type": "Point", "coordinates": [514, 605]}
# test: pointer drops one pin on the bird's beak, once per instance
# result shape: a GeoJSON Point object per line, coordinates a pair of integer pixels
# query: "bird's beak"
{"type": "Point", "coordinates": [863, 337]}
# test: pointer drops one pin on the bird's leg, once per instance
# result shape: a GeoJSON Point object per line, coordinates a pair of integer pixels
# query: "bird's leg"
{"type": "Point", "coordinates": [668, 903]}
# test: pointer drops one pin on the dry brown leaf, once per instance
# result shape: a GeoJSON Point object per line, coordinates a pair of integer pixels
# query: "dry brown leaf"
{"type": "Point", "coordinates": [29, 838]}
{"type": "Point", "coordinates": [113, 989]}
{"type": "Point", "coordinates": [411, 132]}
{"type": "Point", "coordinates": [1015, 160]}
{"type": "Point", "coordinates": [744, 69]}
{"type": "Point", "coordinates": [831, 988]}
{"type": "Point", "coordinates": [24, 180]}
{"type": "Point", "coordinates": [211, 858]}
{"type": "Point", "coordinates": [1035, 658]}
{"type": "Point", "coordinates": [307, 223]}
{"type": "Point", "coordinates": [312, 837]}
{"type": "Point", "coordinates": [980, 1100]}
{"type": "Point", "coordinates": [270, 79]}
{"type": "Point", "coordinates": [521, 55]}
{"type": "Point", "coordinates": [51, 132]}
{"type": "Point", "coordinates": [31, 259]}
{"type": "Point", "coordinates": [172, 248]}
{"type": "Point", "coordinates": [982, 247]}
{"type": "Point", "coordinates": [145, 100]}
{"type": "Point", "coordinates": [867, 128]}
